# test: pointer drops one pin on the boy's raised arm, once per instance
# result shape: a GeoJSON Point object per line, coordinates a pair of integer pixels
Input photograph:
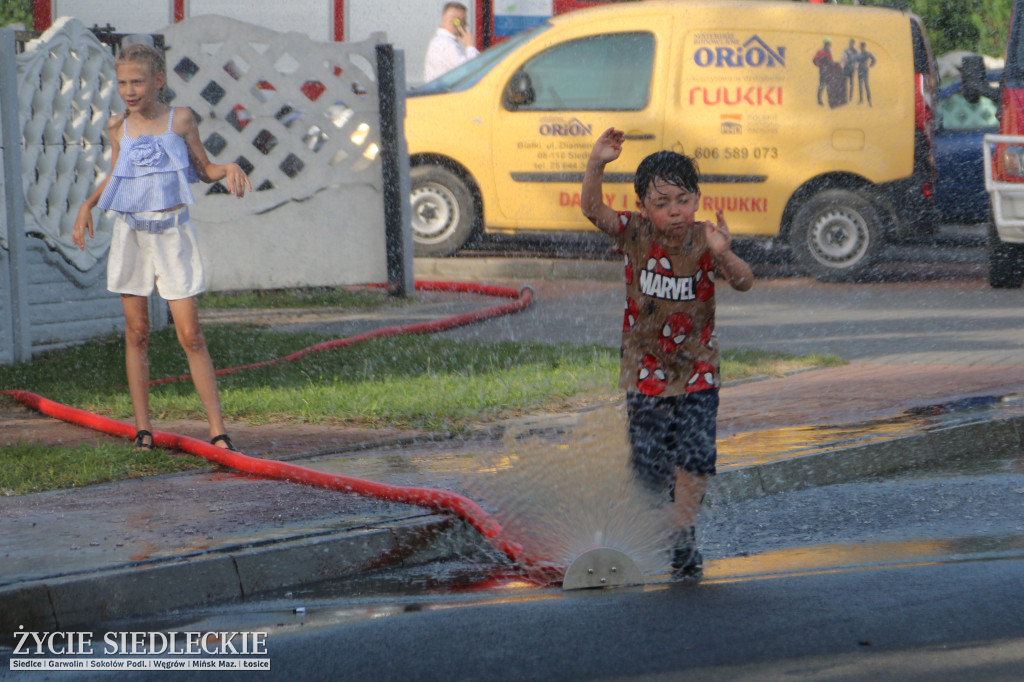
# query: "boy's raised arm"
{"type": "Point", "coordinates": [606, 149]}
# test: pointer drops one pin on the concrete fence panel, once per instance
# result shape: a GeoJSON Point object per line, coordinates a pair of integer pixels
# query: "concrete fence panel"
{"type": "Point", "coordinates": [301, 117]}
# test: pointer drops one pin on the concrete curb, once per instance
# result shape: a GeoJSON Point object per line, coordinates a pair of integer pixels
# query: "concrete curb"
{"type": "Point", "coordinates": [231, 574]}
{"type": "Point", "coordinates": [975, 442]}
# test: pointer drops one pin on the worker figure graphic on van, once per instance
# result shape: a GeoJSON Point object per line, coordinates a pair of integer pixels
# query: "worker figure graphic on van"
{"type": "Point", "coordinates": [823, 59]}
{"type": "Point", "coordinates": [865, 60]}
{"type": "Point", "coordinates": [830, 76]}
{"type": "Point", "coordinates": [849, 64]}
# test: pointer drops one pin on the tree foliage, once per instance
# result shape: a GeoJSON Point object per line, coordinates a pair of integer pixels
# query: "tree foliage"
{"type": "Point", "coordinates": [972, 25]}
{"type": "Point", "coordinates": [16, 12]}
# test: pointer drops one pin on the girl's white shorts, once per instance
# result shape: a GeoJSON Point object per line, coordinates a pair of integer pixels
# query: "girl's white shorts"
{"type": "Point", "coordinates": [170, 260]}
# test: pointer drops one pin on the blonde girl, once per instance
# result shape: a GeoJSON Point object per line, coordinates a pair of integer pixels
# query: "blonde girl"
{"type": "Point", "coordinates": [156, 152]}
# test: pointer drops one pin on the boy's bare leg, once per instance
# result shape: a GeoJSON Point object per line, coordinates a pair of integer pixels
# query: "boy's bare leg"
{"type": "Point", "coordinates": [687, 562]}
{"type": "Point", "coordinates": [186, 323]}
{"type": "Point", "coordinates": [690, 489]}
{"type": "Point", "coordinates": [136, 356]}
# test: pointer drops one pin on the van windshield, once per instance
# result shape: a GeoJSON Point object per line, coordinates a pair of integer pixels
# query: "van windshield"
{"type": "Point", "coordinates": [467, 75]}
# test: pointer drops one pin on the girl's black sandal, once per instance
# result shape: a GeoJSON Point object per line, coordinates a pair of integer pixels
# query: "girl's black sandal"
{"type": "Point", "coordinates": [227, 441]}
{"type": "Point", "coordinates": [140, 440]}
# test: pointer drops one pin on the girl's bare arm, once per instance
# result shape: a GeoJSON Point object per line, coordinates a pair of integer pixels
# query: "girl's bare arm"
{"type": "Point", "coordinates": [234, 177]}
{"type": "Point", "coordinates": [83, 221]}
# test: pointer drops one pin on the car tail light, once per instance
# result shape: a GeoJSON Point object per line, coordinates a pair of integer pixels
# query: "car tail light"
{"type": "Point", "coordinates": [924, 115]}
{"type": "Point", "coordinates": [1013, 161]}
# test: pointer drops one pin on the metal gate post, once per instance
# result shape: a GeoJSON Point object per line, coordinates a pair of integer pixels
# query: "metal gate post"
{"type": "Point", "coordinates": [395, 168]}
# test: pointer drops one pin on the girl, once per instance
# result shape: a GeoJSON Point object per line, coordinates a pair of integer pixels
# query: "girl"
{"type": "Point", "coordinates": [156, 153]}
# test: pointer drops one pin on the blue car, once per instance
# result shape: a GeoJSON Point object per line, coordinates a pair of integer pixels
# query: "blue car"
{"type": "Point", "coordinates": [960, 195]}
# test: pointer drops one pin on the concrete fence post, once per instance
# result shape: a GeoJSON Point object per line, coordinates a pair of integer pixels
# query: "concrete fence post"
{"type": "Point", "coordinates": [19, 336]}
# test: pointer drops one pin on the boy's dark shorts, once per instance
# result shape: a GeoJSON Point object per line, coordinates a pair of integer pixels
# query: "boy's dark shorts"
{"type": "Point", "coordinates": [667, 434]}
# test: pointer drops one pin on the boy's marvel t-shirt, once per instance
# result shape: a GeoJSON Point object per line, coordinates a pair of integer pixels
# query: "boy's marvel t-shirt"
{"type": "Point", "coordinates": [669, 345]}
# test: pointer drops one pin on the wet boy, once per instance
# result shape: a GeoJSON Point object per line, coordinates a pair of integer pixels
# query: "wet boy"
{"type": "Point", "coordinates": [670, 357]}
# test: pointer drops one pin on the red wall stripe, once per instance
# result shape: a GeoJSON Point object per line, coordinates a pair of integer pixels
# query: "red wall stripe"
{"type": "Point", "coordinates": [339, 20]}
{"type": "Point", "coordinates": [42, 14]}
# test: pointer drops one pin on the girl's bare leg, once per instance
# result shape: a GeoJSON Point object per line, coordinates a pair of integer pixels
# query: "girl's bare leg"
{"type": "Point", "coordinates": [136, 356]}
{"type": "Point", "coordinates": [186, 323]}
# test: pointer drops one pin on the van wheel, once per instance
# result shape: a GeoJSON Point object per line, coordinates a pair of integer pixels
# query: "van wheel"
{"type": "Point", "coordinates": [836, 235]}
{"type": "Point", "coordinates": [1005, 262]}
{"type": "Point", "coordinates": [443, 213]}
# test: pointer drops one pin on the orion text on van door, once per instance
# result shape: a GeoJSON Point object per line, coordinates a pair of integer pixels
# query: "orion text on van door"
{"type": "Point", "coordinates": [753, 53]}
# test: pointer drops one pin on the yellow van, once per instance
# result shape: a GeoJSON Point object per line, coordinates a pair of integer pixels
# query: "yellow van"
{"type": "Point", "coordinates": [810, 123]}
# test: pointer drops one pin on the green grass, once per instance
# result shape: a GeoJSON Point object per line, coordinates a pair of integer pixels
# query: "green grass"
{"type": "Point", "coordinates": [410, 381]}
{"type": "Point", "coordinates": [744, 363]}
{"type": "Point", "coordinates": [416, 382]}
{"type": "Point", "coordinates": [308, 297]}
{"type": "Point", "coordinates": [29, 468]}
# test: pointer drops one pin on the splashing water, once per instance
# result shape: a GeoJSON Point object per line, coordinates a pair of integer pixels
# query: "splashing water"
{"type": "Point", "coordinates": [559, 496]}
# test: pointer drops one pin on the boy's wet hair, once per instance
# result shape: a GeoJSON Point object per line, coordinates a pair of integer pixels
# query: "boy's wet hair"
{"type": "Point", "coordinates": [144, 54]}
{"type": "Point", "coordinates": [670, 167]}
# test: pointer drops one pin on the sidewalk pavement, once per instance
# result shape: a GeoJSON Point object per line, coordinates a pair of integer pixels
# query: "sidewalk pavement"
{"type": "Point", "coordinates": [77, 557]}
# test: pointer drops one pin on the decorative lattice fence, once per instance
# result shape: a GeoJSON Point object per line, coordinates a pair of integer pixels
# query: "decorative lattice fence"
{"type": "Point", "coordinates": [302, 119]}
{"type": "Point", "coordinates": [63, 91]}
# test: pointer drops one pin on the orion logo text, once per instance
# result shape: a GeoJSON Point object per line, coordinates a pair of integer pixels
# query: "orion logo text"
{"type": "Point", "coordinates": [753, 53]}
{"type": "Point", "coordinates": [562, 128]}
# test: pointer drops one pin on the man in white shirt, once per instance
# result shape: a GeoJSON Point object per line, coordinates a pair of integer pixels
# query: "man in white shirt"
{"type": "Point", "coordinates": [451, 45]}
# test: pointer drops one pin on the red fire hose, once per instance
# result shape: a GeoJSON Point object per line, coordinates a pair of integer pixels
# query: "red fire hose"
{"type": "Point", "coordinates": [441, 500]}
{"type": "Point", "coordinates": [523, 299]}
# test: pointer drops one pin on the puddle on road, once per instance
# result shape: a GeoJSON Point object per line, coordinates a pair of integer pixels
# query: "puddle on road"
{"type": "Point", "coordinates": [773, 445]}
{"type": "Point", "coordinates": [863, 556]}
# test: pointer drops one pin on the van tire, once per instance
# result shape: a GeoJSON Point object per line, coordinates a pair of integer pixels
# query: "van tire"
{"type": "Point", "coordinates": [443, 212]}
{"type": "Point", "coordinates": [1005, 262]}
{"type": "Point", "coordinates": [836, 235]}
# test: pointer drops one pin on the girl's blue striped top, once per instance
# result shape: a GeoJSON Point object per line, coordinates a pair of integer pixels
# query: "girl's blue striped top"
{"type": "Point", "coordinates": [151, 174]}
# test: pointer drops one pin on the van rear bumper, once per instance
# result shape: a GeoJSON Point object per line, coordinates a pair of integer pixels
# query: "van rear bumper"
{"type": "Point", "coordinates": [915, 214]}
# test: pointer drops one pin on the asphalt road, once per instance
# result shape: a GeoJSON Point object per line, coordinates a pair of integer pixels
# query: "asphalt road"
{"type": "Point", "coordinates": [924, 305]}
{"type": "Point", "coordinates": [919, 578]}
{"type": "Point", "coordinates": [934, 621]}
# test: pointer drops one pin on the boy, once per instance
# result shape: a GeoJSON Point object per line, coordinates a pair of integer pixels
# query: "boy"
{"type": "Point", "coordinates": [670, 356]}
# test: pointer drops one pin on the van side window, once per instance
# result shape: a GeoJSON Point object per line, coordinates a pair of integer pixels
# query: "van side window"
{"type": "Point", "coordinates": [609, 72]}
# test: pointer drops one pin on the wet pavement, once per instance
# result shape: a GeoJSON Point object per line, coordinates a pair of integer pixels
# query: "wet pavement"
{"type": "Point", "coordinates": [117, 550]}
